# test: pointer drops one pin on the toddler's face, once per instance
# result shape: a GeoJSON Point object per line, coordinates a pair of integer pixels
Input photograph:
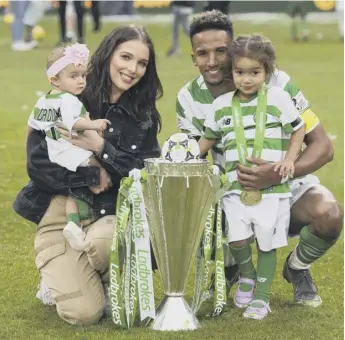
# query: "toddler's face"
{"type": "Point", "coordinates": [71, 79]}
{"type": "Point", "coordinates": [249, 75]}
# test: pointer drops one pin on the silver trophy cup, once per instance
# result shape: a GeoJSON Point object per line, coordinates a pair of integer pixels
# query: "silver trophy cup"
{"type": "Point", "coordinates": [178, 197]}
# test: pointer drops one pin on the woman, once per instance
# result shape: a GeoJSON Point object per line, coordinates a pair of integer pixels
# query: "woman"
{"type": "Point", "coordinates": [122, 86]}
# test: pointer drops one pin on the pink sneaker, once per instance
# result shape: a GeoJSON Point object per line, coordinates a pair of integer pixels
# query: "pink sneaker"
{"type": "Point", "coordinates": [258, 310]}
{"type": "Point", "coordinates": [243, 298]}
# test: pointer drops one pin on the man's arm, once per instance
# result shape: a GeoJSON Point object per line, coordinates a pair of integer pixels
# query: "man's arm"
{"type": "Point", "coordinates": [318, 152]}
{"type": "Point", "coordinates": [185, 114]}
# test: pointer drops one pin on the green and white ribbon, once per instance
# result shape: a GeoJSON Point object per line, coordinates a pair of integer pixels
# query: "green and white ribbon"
{"type": "Point", "coordinates": [220, 297]}
{"type": "Point", "coordinates": [141, 240]}
{"type": "Point", "coordinates": [204, 262]}
{"type": "Point", "coordinates": [261, 117]}
{"type": "Point", "coordinates": [116, 252]}
{"type": "Point", "coordinates": [131, 281]}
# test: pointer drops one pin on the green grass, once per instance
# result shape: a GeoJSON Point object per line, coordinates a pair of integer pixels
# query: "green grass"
{"type": "Point", "coordinates": [317, 67]}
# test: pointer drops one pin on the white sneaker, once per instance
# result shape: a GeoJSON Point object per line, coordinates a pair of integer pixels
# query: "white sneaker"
{"type": "Point", "coordinates": [23, 46]}
{"type": "Point", "coordinates": [44, 294]}
{"type": "Point", "coordinates": [75, 236]}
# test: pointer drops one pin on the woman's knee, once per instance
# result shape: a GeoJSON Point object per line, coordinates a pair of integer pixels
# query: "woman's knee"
{"type": "Point", "coordinates": [81, 311]}
{"type": "Point", "coordinates": [99, 236]}
{"type": "Point", "coordinates": [98, 254]}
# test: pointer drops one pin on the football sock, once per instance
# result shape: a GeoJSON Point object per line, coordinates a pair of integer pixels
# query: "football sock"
{"type": "Point", "coordinates": [74, 218]}
{"type": "Point", "coordinates": [243, 257]}
{"type": "Point", "coordinates": [267, 263]}
{"type": "Point", "coordinates": [309, 249]}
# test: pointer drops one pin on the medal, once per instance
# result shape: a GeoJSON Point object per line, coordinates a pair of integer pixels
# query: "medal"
{"type": "Point", "coordinates": [250, 197]}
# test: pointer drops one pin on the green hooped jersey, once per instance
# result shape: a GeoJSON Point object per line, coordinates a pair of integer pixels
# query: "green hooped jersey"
{"type": "Point", "coordinates": [282, 119]}
{"type": "Point", "coordinates": [194, 105]}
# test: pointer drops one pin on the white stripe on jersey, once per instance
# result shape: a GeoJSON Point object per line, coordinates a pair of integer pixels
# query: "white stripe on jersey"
{"type": "Point", "coordinates": [267, 154]}
{"type": "Point", "coordinates": [250, 134]}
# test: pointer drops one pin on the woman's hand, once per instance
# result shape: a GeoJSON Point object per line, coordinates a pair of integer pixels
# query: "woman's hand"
{"type": "Point", "coordinates": [260, 176]}
{"type": "Point", "coordinates": [88, 140]}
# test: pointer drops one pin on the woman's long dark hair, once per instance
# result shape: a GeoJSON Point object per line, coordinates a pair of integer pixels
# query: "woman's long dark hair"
{"type": "Point", "coordinates": [142, 96]}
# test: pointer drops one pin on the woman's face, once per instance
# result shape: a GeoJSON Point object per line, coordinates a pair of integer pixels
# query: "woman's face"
{"type": "Point", "coordinates": [128, 64]}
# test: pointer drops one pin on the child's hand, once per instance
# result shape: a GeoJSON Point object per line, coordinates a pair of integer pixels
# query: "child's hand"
{"type": "Point", "coordinates": [286, 167]}
{"type": "Point", "coordinates": [100, 124]}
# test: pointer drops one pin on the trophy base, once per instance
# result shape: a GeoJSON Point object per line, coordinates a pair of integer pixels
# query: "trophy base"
{"type": "Point", "coordinates": [174, 314]}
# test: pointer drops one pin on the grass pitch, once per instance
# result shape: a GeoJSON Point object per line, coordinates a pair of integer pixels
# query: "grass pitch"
{"type": "Point", "coordinates": [317, 68]}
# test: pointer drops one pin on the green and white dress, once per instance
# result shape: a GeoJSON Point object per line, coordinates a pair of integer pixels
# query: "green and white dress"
{"type": "Point", "coordinates": [64, 108]}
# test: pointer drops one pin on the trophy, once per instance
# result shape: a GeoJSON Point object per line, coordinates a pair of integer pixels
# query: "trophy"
{"type": "Point", "coordinates": [177, 197]}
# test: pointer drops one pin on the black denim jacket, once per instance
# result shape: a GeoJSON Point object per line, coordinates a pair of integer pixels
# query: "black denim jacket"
{"type": "Point", "coordinates": [127, 142]}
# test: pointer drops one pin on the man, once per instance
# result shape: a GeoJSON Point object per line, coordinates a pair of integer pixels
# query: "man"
{"type": "Point", "coordinates": [315, 214]}
{"type": "Point", "coordinates": [181, 11]}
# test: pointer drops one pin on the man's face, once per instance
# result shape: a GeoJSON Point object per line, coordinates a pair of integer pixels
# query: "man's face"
{"type": "Point", "coordinates": [210, 55]}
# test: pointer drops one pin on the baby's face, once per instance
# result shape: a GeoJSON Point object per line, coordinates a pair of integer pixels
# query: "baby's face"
{"type": "Point", "coordinates": [72, 79]}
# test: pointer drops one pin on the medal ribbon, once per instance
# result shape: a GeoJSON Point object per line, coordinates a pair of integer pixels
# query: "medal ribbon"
{"type": "Point", "coordinates": [261, 117]}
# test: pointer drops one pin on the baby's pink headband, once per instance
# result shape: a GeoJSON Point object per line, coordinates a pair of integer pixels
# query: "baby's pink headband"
{"type": "Point", "coordinates": [77, 54]}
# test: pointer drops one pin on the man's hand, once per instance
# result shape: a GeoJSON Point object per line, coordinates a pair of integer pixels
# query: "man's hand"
{"type": "Point", "coordinates": [260, 176]}
{"type": "Point", "coordinates": [104, 182]}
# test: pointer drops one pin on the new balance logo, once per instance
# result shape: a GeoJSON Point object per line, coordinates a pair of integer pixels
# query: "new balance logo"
{"type": "Point", "coordinates": [261, 279]}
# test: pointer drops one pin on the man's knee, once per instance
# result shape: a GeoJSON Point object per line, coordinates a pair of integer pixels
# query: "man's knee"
{"type": "Point", "coordinates": [328, 219]}
{"type": "Point", "coordinates": [81, 311]}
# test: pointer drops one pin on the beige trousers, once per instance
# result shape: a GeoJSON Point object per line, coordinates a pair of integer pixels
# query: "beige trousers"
{"type": "Point", "coordinates": [74, 278]}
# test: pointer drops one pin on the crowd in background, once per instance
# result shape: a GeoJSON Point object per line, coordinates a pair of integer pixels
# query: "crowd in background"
{"type": "Point", "coordinates": [27, 14]}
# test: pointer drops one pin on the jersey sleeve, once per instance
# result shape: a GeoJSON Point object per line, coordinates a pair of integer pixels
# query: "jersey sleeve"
{"type": "Point", "coordinates": [300, 101]}
{"type": "Point", "coordinates": [32, 121]}
{"type": "Point", "coordinates": [290, 117]}
{"type": "Point", "coordinates": [212, 129]}
{"type": "Point", "coordinates": [282, 79]}
{"type": "Point", "coordinates": [184, 112]}
{"type": "Point", "coordinates": [72, 110]}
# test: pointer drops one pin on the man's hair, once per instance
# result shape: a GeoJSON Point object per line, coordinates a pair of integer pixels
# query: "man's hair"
{"type": "Point", "coordinates": [211, 20]}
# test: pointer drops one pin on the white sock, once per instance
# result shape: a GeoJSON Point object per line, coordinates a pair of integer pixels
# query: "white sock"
{"type": "Point", "coordinates": [70, 35]}
{"type": "Point", "coordinates": [296, 263]}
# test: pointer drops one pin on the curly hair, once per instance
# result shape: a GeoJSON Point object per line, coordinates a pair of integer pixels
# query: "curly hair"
{"type": "Point", "coordinates": [254, 47]}
{"type": "Point", "coordinates": [210, 20]}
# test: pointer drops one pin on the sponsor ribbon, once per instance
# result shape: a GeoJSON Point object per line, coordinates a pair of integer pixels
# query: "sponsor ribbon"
{"type": "Point", "coordinates": [117, 253]}
{"type": "Point", "coordinates": [131, 282]}
{"type": "Point", "coordinates": [220, 297]}
{"type": "Point", "coordinates": [204, 261]}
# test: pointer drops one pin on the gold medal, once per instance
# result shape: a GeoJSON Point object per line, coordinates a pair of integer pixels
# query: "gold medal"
{"type": "Point", "coordinates": [251, 197]}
